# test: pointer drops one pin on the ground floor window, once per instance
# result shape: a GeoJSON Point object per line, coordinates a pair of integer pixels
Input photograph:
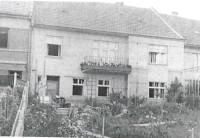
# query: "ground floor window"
{"type": "Point", "coordinates": [103, 87]}
{"type": "Point", "coordinates": [156, 89]}
{"type": "Point", "coordinates": [77, 87]}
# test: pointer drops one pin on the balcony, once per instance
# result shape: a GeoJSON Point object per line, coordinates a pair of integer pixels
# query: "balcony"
{"type": "Point", "coordinates": [105, 65]}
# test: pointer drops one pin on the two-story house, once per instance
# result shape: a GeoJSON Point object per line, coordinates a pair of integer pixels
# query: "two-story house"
{"type": "Point", "coordinates": [15, 38]}
{"type": "Point", "coordinates": [93, 49]}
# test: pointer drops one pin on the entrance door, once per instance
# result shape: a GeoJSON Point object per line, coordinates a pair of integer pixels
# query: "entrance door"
{"type": "Point", "coordinates": [53, 85]}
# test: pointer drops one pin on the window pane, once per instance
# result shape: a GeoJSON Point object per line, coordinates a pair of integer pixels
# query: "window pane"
{"type": "Point", "coordinates": [81, 81]}
{"type": "Point", "coordinates": [157, 93]}
{"type": "Point", "coordinates": [195, 60]}
{"type": "Point", "coordinates": [3, 40]}
{"type": "Point", "coordinates": [77, 90]}
{"type": "Point", "coordinates": [75, 81]}
{"type": "Point", "coordinates": [162, 93]}
{"type": "Point", "coordinates": [100, 82]}
{"type": "Point", "coordinates": [162, 84]}
{"type": "Point", "coordinates": [106, 82]}
{"type": "Point", "coordinates": [156, 84]}
{"type": "Point", "coordinates": [53, 50]}
{"type": "Point", "coordinates": [103, 91]}
{"type": "Point", "coordinates": [151, 93]}
{"type": "Point", "coordinates": [151, 84]}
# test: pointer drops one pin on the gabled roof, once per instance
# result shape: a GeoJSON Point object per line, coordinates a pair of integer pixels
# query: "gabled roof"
{"type": "Point", "coordinates": [16, 7]}
{"type": "Point", "coordinates": [103, 17]}
{"type": "Point", "coordinates": [188, 28]}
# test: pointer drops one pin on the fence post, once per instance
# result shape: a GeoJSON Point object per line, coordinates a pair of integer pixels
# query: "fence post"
{"type": "Point", "coordinates": [15, 79]}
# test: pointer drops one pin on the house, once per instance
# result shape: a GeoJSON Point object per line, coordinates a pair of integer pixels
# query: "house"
{"type": "Point", "coordinates": [190, 29]}
{"type": "Point", "coordinates": [15, 38]}
{"type": "Point", "coordinates": [93, 49]}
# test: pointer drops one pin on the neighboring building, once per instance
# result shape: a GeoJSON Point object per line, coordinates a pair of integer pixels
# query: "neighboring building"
{"type": "Point", "coordinates": [190, 29]}
{"type": "Point", "coordinates": [94, 49]}
{"type": "Point", "coordinates": [15, 38]}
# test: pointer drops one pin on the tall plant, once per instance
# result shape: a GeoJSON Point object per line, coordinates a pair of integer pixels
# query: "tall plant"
{"type": "Point", "coordinates": [175, 92]}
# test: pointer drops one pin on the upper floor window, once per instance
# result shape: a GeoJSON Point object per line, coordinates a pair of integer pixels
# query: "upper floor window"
{"type": "Point", "coordinates": [195, 59]}
{"type": "Point", "coordinates": [157, 54]}
{"type": "Point", "coordinates": [54, 46]}
{"type": "Point", "coordinates": [106, 50]}
{"type": "Point", "coordinates": [3, 38]}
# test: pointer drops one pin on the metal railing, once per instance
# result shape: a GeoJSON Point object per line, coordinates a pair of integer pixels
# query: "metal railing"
{"type": "Point", "coordinates": [18, 126]}
{"type": "Point", "coordinates": [101, 61]}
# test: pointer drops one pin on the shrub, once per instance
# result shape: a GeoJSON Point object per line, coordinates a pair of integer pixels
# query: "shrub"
{"type": "Point", "coordinates": [192, 102]}
{"type": "Point", "coordinates": [95, 102]}
{"type": "Point", "coordinates": [175, 92]}
{"type": "Point", "coordinates": [136, 100]}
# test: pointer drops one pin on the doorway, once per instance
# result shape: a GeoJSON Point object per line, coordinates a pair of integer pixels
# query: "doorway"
{"type": "Point", "coordinates": [53, 85]}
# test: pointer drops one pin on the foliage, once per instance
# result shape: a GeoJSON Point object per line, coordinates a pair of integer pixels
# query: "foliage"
{"type": "Point", "coordinates": [94, 102]}
{"type": "Point", "coordinates": [192, 102]}
{"type": "Point", "coordinates": [135, 101]}
{"type": "Point", "coordinates": [10, 105]}
{"type": "Point", "coordinates": [175, 92]}
{"type": "Point", "coordinates": [117, 97]}
{"type": "Point", "coordinates": [42, 120]}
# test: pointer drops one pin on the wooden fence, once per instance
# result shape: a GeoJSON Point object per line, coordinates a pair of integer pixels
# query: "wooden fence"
{"type": "Point", "coordinates": [18, 126]}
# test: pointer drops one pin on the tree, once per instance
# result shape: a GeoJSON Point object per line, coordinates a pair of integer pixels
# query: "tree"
{"type": "Point", "coordinates": [175, 92]}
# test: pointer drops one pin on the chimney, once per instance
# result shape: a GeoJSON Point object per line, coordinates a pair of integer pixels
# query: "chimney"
{"type": "Point", "coordinates": [175, 13]}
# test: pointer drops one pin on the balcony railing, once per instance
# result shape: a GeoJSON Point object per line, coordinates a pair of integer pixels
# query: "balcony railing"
{"type": "Point", "coordinates": [106, 64]}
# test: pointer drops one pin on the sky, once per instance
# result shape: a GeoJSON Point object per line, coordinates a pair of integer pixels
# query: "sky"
{"type": "Point", "coordinates": [185, 8]}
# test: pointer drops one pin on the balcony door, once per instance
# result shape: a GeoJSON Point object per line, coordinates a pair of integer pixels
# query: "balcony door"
{"type": "Point", "coordinates": [105, 55]}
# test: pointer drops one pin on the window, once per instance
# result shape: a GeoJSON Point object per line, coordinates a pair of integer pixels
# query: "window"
{"type": "Point", "coordinates": [54, 46]}
{"type": "Point", "coordinates": [78, 86]}
{"type": "Point", "coordinates": [108, 51]}
{"type": "Point", "coordinates": [157, 54]}
{"type": "Point", "coordinates": [195, 59]}
{"type": "Point", "coordinates": [53, 50]}
{"type": "Point", "coordinates": [103, 87]}
{"type": "Point", "coordinates": [19, 74]}
{"type": "Point", "coordinates": [3, 37]}
{"type": "Point", "coordinates": [156, 89]}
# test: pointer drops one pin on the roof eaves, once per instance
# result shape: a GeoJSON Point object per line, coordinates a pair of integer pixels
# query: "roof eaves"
{"type": "Point", "coordinates": [156, 13]}
{"type": "Point", "coordinates": [5, 14]}
{"type": "Point", "coordinates": [193, 45]}
{"type": "Point", "coordinates": [109, 32]}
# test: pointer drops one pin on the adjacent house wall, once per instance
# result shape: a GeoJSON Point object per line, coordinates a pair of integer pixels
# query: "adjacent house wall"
{"type": "Point", "coordinates": [143, 71]}
{"type": "Point", "coordinates": [15, 56]}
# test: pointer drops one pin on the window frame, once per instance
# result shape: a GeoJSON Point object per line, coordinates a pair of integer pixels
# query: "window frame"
{"type": "Point", "coordinates": [59, 50]}
{"type": "Point", "coordinates": [79, 83]}
{"type": "Point", "coordinates": [104, 85]}
{"type": "Point", "coordinates": [54, 40]}
{"type": "Point", "coordinates": [160, 53]}
{"type": "Point", "coordinates": [7, 30]}
{"type": "Point", "coordinates": [159, 87]}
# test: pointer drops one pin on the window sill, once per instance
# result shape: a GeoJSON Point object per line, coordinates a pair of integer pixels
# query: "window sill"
{"type": "Point", "coordinates": [54, 57]}
{"type": "Point", "coordinates": [156, 98]}
{"type": "Point", "coordinates": [157, 64]}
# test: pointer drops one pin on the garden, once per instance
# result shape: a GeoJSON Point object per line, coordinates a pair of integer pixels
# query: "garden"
{"type": "Point", "coordinates": [120, 117]}
{"type": "Point", "coordinates": [9, 104]}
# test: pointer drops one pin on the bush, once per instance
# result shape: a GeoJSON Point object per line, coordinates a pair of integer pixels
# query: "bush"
{"type": "Point", "coordinates": [175, 92]}
{"type": "Point", "coordinates": [95, 102]}
{"type": "Point", "coordinates": [136, 101]}
{"type": "Point", "coordinates": [192, 102]}
{"type": "Point", "coordinates": [42, 120]}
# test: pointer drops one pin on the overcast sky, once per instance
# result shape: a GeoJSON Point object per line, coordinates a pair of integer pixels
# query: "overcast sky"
{"type": "Point", "coordinates": [185, 8]}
